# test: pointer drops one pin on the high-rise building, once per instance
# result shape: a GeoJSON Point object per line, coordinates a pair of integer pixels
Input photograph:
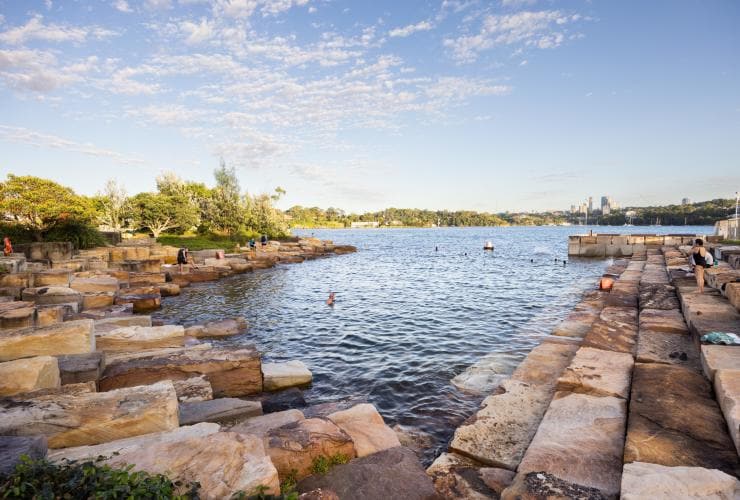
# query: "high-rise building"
{"type": "Point", "coordinates": [590, 204]}
{"type": "Point", "coordinates": [606, 202]}
{"type": "Point", "coordinates": [685, 201]}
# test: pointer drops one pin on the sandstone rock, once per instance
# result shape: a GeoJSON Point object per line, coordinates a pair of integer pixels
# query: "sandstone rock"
{"type": "Point", "coordinates": [115, 322]}
{"type": "Point", "coordinates": [231, 372]}
{"type": "Point", "coordinates": [218, 410]}
{"type": "Point", "coordinates": [658, 482]}
{"type": "Point", "coordinates": [367, 429]}
{"type": "Point", "coordinates": [78, 368]}
{"type": "Point", "coordinates": [18, 317]}
{"type": "Point", "coordinates": [29, 374]}
{"type": "Point", "coordinates": [392, 473]}
{"type": "Point", "coordinates": [732, 292]}
{"type": "Point", "coordinates": [95, 284]}
{"type": "Point", "coordinates": [20, 280]}
{"type": "Point", "coordinates": [662, 321]}
{"type": "Point", "coordinates": [62, 390]}
{"type": "Point", "coordinates": [498, 435]}
{"type": "Point", "coordinates": [542, 485]}
{"type": "Point", "coordinates": [142, 302]}
{"type": "Point", "coordinates": [169, 289]}
{"type": "Point", "coordinates": [709, 312]}
{"type": "Point", "coordinates": [487, 373]}
{"type": "Point", "coordinates": [283, 375]}
{"type": "Point", "coordinates": [12, 448]}
{"type": "Point", "coordinates": [668, 348]}
{"type": "Point", "coordinates": [675, 421]}
{"type": "Point", "coordinates": [580, 441]}
{"type": "Point", "coordinates": [70, 337]}
{"type": "Point", "coordinates": [615, 330]}
{"type": "Point", "coordinates": [719, 357]}
{"type": "Point", "coordinates": [127, 445]}
{"type": "Point", "coordinates": [414, 439]}
{"type": "Point", "coordinates": [295, 446]}
{"type": "Point", "coordinates": [544, 364]}
{"type": "Point", "coordinates": [193, 389]}
{"type": "Point", "coordinates": [92, 418]}
{"type": "Point", "coordinates": [455, 476]}
{"type": "Point", "coordinates": [97, 300]}
{"type": "Point", "coordinates": [136, 338]}
{"type": "Point", "coordinates": [727, 389]}
{"type": "Point", "coordinates": [223, 328]}
{"type": "Point", "coordinates": [52, 295]}
{"type": "Point", "coordinates": [60, 277]}
{"type": "Point", "coordinates": [224, 463]}
{"type": "Point", "coordinates": [599, 373]}
{"type": "Point", "coordinates": [261, 425]}
{"type": "Point", "coordinates": [49, 315]}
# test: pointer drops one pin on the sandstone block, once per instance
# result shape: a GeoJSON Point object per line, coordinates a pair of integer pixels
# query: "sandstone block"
{"type": "Point", "coordinates": [544, 364]}
{"type": "Point", "coordinates": [615, 330]}
{"type": "Point", "coordinates": [115, 322]}
{"type": "Point", "coordinates": [78, 368]}
{"type": "Point", "coordinates": [49, 315]}
{"type": "Point", "coordinates": [169, 289]}
{"type": "Point", "coordinates": [727, 389]}
{"type": "Point", "coordinates": [218, 410]}
{"type": "Point", "coordinates": [12, 448]}
{"type": "Point", "coordinates": [136, 338]}
{"type": "Point", "coordinates": [70, 337]}
{"type": "Point", "coordinates": [295, 446]}
{"type": "Point", "coordinates": [662, 321]}
{"type": "Point", "coordinates": [29, 374]}
{"type": "Point", "coordinates": [231, 372]}
{"type": "Point", "coordinates": [57, 277]}
{"type": "Point", "coordinates": [193, 389]}
{"type": "Point", "coordinates": [675, 421]}
{"type": "Point", "coordinates": [668, 348]}
{"type": "Point", "coordinates": [92, 418]}
{"type": "Point", "coordinates": [18, 317]}
{"type": "Point", "coordinates": [599, 373]}
{"type": "Point", "coordinates": [732, 292]}
{"type": "Point", "coordinates": [367, 429]}
{"type": "Point", "coordinates": [719, 357]}
{"type": "Point", "coordinates": [455, 476]}
{"type": "Point", "coordinates": [97, 300]}
{"type": "Point", "coordinates": [261, 425]}
{"type": "Point", "coordinates": [223, 328]}
{"type": "Point", "coordinates": [580, 441]}
{"type": "Point", "coordinates": [658, 482]}
{"type": "Point", "coordinates": [95, 284]}
{"type": "Point", "coordinates": [542, 485]}
{"type": "Point", "coordinates": [52, 295]}
{"type": "Point", "coordinates": [283, 375]}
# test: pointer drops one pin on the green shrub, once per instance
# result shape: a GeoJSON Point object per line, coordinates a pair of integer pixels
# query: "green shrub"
{"type": "Point", "coordinates": [322, 465]}
{"type": "Point", "coordinates": [42, 480]}
{"type": "Point", "coordinates": [81, 235]}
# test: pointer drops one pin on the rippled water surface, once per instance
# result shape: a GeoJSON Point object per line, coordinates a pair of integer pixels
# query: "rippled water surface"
{"type": "Point", "coordinates": [407, 318]}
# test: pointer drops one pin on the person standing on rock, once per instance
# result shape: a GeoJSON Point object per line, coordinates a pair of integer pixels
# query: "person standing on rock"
{"type": "Point", "coordinates": [699, 262]}
{"type": "Point", "coordinates": [183, 257]}
{"type": "Point", "coordinates": [7, 247]}
{"type": "Point", "coordinates": [263, 240]}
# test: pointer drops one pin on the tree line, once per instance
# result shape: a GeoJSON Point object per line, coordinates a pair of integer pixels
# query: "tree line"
{"type": "Point", "coordinates": [36, 209]}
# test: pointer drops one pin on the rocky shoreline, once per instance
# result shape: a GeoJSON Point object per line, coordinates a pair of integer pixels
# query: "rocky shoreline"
{"type": "Point", "coordinates": [621, 400]}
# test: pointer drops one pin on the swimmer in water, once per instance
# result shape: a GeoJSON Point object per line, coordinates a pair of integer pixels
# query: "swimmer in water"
{"type": "Point", "coordinates": [330, 300]}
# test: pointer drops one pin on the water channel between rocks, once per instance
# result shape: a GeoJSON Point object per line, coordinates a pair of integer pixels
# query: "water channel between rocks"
{"type": "Point", "coordinates": [407, 318]}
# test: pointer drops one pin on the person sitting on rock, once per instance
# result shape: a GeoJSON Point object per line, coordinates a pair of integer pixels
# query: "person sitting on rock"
{"type": "Point", "coordinates": [7, 247]}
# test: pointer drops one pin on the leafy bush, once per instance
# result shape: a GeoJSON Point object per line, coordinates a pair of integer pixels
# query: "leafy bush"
{"type": "Point", "coordinates": [322, 465]}
{"type": "Point", "coordinates": [81, 235]}
{"type": "Point", "coordinates": [41, 479]}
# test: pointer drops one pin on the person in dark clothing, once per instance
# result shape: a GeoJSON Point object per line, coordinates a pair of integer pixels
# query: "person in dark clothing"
{"type": "Point", "coordinates": [183, 257]}
{"type": "Point", "coordinates": [252, 243]}
{"type": "Point", "coordinates": [263, 240]}
{"type": "Point", "coordinates": [699, 262]}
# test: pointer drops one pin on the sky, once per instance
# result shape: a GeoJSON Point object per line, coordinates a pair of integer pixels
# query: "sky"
{"type": "Point", "coordinates": [456, 104]}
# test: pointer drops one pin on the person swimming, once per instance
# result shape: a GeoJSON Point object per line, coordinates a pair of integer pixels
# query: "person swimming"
{"type": "Point", "coordinates": [331, 299]}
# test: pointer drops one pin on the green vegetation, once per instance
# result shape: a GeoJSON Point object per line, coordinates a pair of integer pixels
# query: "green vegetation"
{"type": "Point", "coordinates": [322, 464]}
{"type": "Point", "coordinates": [704, 213]}
{"type": "Point", "coordinates": [259, 493]}
{"type": "Point", "coordinates": [201, 242]}
{"type": "Point", "coordinates": [41, 479]}
{"type": "Point", "coordinates": [35, 209]}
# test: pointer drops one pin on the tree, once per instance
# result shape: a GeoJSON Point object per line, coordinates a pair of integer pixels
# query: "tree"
{"type": "Point", "coordinates": [113, 206]}
{"type": "Point", "coordinates": [228, 212]}
{"type": "Point", "coordinates": [160, 212]}
{"type": "Point", "coordinates": [40, 204]}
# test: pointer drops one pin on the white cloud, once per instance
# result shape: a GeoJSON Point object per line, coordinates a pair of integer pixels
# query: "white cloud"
{"type": "Point", "coordinates": [39, 71]}
{"type": "Point", "coordinates": [237, 9]}
{"type": "Point", "coordinates": [526, 28]}
{"type": "Point", "coordinates": [158, 4]}
{"type": "Point", "coordinates": [517, 3]}
{"type": "Point", "coordinates": [197, 33]}
{"type": "Point", "coordinates": [122, 6]}
{"type": "Point", "coordinates": [48, 4]}
{"type": "Point", "coordinates": [411, 29]}
{"type": "Point", "coordinates": [22, 135]}
{"type": "Point", "coordinates": [35, 29]}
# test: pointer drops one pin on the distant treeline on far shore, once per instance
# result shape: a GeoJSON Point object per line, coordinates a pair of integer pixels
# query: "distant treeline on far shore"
{"type": "Point", "coordinates": [704, 213]}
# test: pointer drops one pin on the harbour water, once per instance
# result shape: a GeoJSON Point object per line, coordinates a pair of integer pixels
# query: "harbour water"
{"type": "Point", "coordinates": [415, 308]}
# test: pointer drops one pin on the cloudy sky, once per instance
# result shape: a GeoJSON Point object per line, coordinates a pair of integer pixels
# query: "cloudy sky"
{"type": "Point", "coordinates": [457, 104]}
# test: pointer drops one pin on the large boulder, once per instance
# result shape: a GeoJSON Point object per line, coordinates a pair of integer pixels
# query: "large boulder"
{"type": "Point", "coordinates": [455, 476]}
{"type": "Point", "coordinates": [52, 295]}
{"type": "Point", "coordinates": [137, 338]}
{"type": "Point", "coordinates": [231, 372]}
{"type": "Point", "coordinates": [12, 448]}
{"type": "Point", "coordinates": [70, 337]}
{"type": "Point", "coordinates": [392, 473]}
{"type": "Point", "coordinates": [193, 389]}
{"type": "Point", "coordinates": [294, 447]}
{"type": "Point", "coordinates": [29, 374]}
{"type": "Point", "coordinates": [657, 482]}
{"type": "Point", "coordinates": [52, 277]}
{"type": "Point", "coordinates": [719, 357]}
{"type": "Point", "coordinates": [92, 418]}
{"type": "Point", "coordinates": [279, 376]}
{"type": "Point", "coordinates": [727, 389]}
{"type": "Point", "coordinates": [261, 425]}
{"type": "Point", "coordinates": [367, 429]}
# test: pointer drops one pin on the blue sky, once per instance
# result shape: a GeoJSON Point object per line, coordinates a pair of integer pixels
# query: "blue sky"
{"type": "Point", "coordinates": [456, 104]}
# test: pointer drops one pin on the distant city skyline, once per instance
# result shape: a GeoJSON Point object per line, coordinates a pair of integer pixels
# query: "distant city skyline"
{"type": "Point", "coordinates": [518, 105]}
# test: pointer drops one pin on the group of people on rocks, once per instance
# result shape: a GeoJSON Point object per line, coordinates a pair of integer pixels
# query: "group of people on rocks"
{"type": "Point", "coordinates": [183, 255]}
